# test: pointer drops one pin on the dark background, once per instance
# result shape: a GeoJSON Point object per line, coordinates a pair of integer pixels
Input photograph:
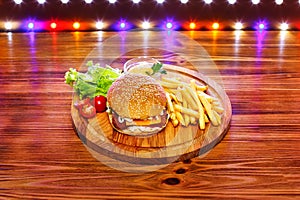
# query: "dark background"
{"type": "Point", "coordinates": [219, 10]}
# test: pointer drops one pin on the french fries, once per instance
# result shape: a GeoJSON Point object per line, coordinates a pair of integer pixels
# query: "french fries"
{"type": "Point", "coordinates": [188, 103]}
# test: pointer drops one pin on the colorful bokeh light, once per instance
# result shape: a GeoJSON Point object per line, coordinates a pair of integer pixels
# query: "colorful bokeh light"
{"type": "Point", "coordinates": [18, 1]}
{"type": "Point", "coordinates": [238, 26]}
{"type": "Point", "coordinates": [192, 25]}
{"type": "Point", "coordinates": [30, 25]}
{"type": "Point", "coordinates": [76, 25]}
{"type": "Point", "coordinates": [8, 25]}
{"type": "Point", "coordinates": [99, 25]}
{"type": "Point", "coordinates": [53, 25]}
{"type": "Point", "coordinates": [215, 25]}
{"type": "Point", "coordinates": [284, 26]}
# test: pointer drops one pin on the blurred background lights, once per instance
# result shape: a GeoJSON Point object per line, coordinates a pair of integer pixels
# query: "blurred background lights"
{"type": "Point", "coordinates": [8, 25]}
{"type": "Point", "coordinates": [76, 25]}
{"type": "Point", "coordinates": [41, 1]}
{"type": "Point", "coordinates": [30, 25]}
{"type": "Point", "coordinates": [160, 1]}
{"type": "Point", "coordinates": [208, 1]}
{"type": "Point", "coordinates": [238, 26]}
{"type": "Point", "coordinates": [136, 1]}
{"type": "Point", "coordinates": [65, 1]}
{"type": "Point", "coordinates": [255, 1]}
{"type": "Point", "coordinates": [184, 1]}
{"type": "Point", "coordinates": [192, 25]}
{"type": "Point", "coordinates": [231, 1]}
{"type": "Point", "coordinates": [215, 25]}
{"type": "Point", "coordinates": [88, 1]}
{"type": "Point", "coordinates": [99, 25]}
{"type": "Point", "coordinates": [122, 25]}
{"type": "Point", "coordinates": [169, 25]}
{"type": "Point", "coordinates": [261, 26]}
{"type": "Point", "coordinates": [112, 1]}
{"type": "Point", "coordinates": [146, 25]}
{"type": "Point", "coordinates": [18, 1]}
{"type": "Point", "coordinates": [278, 2]}
{"type": "Point", "coordinates": [53, 25]}
{"type": "Point", "coordinates": [284, 26]}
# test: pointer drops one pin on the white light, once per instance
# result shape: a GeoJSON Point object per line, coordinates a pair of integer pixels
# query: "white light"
{"type": "Point", "coordinates": [136, 1]}
{"type": "Point", "coordinates": [208, 1]}
{"type": "Point", "coordinates": [238, 26]}
{"type": "Point", "coordinates": [112, 1]}
{"type": "Point", "coordinates": [99, 25]}
{"type": "Point", "coordinates": [18, 1]}
{"type": "Point", "coordinates": [184, 1]}
{"type": "Point", "coordinates": [284, 26]}
{"type": "Point", "coordinates": [160, 1]}
{"type": "Point", "coordinates": [65, 1]}
{"type": "Point", "coordinates": [88, 1]}
{"type": "Point", "coordinates": [231, 1]}
{"type": "Point", "coordinates": [278, 2]}
{"type": "Point", "coordinates": [41, 1]}
{"type": "Point", "coordinates": [146, 25]}
{"type": "Point", "coordinates": [8, 25]}
{"type": "Point", "coordinates": [255, 1]}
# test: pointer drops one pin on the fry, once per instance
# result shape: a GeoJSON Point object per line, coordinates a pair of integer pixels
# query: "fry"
{"type": "Point", "coordinates": [187, 111]}
{"type": "Point", "coordinates": [208, 109]}
{"type": "Point", "coordinates": [192, 120]}
{"type": "Point", "coordinates": [186, 117]}
{"type": "Point", "coordinates": [199, 105]}
{"type": "Point", "coordinates": [169, 103]}
{"type": "Point", "coordinates": [186, 95]}
{"type": "Point", "coordinates": [218, 109]}
{"type": "Point", "coordinates": [218, 117]}
{"type": "Point", "coordinates": [170, 80]}
{"type": "Point", "coordinates": [180, 118]}
{"type": "Point", "coordinates": [169, 85]}
{"type": "Point", "coordinates": [178, 95]}
{"type": "Point", "coordinates": [201, 88]}
{"type": "Point", "coordinates": [174, 98]}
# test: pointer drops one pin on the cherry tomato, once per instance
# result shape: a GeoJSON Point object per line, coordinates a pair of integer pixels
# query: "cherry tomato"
{"type": "Point", "coordinates": [88, 111]}
{"type": "Point", "coordinates": [100, 103]}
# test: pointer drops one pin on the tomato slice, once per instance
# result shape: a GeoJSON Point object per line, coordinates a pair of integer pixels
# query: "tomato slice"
{"type": "Point", "coordinates": [88, 111]}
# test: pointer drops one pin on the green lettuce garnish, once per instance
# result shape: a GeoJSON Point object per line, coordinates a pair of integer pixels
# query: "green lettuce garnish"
{"type": "Point", "coordinates": [96, 81]}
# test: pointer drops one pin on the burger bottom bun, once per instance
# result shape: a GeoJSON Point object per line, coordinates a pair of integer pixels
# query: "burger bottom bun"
{"type": "Point", "coordinates": [138, 131]}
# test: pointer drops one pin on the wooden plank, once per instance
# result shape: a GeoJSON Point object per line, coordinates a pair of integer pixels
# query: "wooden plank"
{"type": "Point", "coordinates": [42, 157]}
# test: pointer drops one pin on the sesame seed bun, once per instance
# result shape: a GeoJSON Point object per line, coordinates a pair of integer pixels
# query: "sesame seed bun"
{"type": "Point", "coordinates": [136, 96]}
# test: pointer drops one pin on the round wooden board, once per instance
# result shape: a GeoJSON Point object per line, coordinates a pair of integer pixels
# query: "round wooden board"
{"type": "Point", "coordinates": [169, 145]}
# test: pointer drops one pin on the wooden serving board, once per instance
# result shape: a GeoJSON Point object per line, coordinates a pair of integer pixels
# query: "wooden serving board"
{"type": "Point", "coordinates": [169, 145]}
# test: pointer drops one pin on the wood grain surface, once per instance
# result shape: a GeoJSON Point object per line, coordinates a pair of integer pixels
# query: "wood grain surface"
{"type": "Point", "coordinates": [41, 157]}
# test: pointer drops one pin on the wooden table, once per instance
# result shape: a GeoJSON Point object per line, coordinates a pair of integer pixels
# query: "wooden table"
{"type": "Point", "coordinates": [41, 156]}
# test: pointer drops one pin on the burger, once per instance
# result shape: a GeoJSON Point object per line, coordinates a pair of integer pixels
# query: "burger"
{"type": "Point", "coordinates": [137, 105]}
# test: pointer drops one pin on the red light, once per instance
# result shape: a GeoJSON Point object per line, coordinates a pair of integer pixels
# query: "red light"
{"type": "Point", "coordinates": [53, 25]}
{"type": "Point", "coordinates": [76, 25]}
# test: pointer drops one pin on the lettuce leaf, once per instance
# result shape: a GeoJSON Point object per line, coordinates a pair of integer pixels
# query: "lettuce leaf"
{"type": "Point", "coordinates": [96, 81]}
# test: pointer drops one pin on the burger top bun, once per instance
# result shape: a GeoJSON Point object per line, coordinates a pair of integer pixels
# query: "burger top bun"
{"type": "Point", "coordinates": [136, 96]}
